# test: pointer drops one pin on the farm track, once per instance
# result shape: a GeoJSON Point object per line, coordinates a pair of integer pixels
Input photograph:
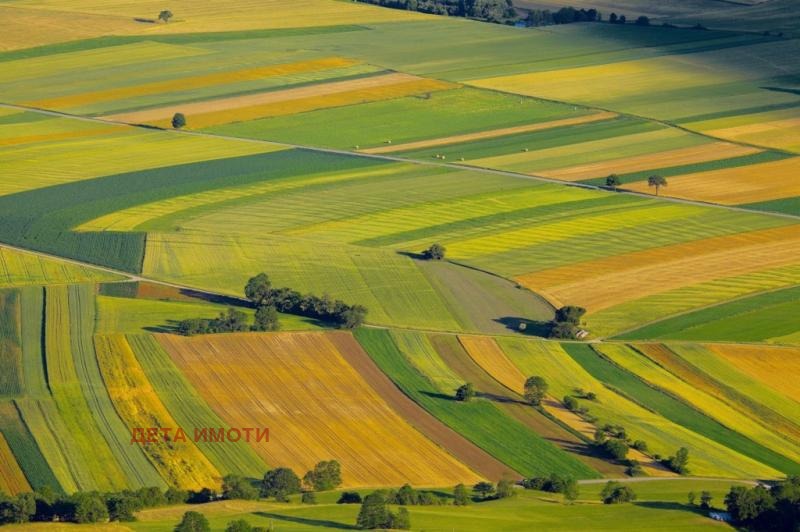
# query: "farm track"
{"type": "Point", "coordinates": [390, 158]}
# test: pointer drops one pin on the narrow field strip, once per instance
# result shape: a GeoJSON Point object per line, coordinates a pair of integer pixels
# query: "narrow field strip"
{"type": "Point", "coordinates": [36, 468]}
{"type": "Point", "coordinates": [48, 137]}
{"type": "Point", "coordinates": [694, 154]}
{"type": "Point", "coordinates": [480, 135]}
{"type": "Point", "coordinates": [774, 366]}
{"type": "Point", "coordinates": [12, 479]}
{"type": "Point", "coordinates": [733, 186]}
{"type": "Point", "coordinates": [193, 82]}
{"type": "Point", "coordinates": [213, 112]}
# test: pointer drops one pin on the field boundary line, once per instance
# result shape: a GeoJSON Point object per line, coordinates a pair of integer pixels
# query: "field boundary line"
{"type": "Point", "coordinates": [391, 158]}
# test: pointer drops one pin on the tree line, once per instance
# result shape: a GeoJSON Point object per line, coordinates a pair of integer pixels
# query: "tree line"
{"type": "Point", "coordinates": [498, 11]}
{"type": "Point", "coordinates": [268, 302]}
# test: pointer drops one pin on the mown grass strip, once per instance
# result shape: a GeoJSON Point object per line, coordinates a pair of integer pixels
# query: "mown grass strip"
{"type": "Point", "coordinates": [10, 348]}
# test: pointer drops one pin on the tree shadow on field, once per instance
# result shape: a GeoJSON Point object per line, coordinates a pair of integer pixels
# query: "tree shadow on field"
{"type": "Point", "coordinates": [412, 255]}
{"type": "Point", "coordinates": [532, 327]}
{"type": "Point", "coordinates": [307, 521]}
{"type": "Point", "coordinates": [170, 327]}
{"type": "Point", "coordinates": [675, 506]}
{"type": "Point", "coordinates": [437, 395]}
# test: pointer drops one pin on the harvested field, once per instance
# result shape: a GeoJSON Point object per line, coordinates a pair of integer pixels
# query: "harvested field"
{"type": "Point", "coordinates": [275, 103]}
{"type": "Point", "coordinates": [461, 448]}
{"type": "Point", "coordinates": [468, 137]}
{"type": "Point", "coordinates": [734, 186]}
{"type": "Point", "coordinates": [285, 381]}
{"type": "Point", "coordinates": [192, 82]}
{"type": "Point", "coordinates": [181, 464]}
{"type": "Point", "coordinates": [693, 154]}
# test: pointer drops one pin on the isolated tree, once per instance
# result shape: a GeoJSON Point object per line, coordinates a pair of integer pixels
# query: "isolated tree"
{"type": "Point", "coordinates": [613, 18]}
{"type": "Point", "coordinates": [643, 21]}
{"type": "Point", "coordinates": [373, 513]}
{"type": "Point", "coordinates": [483, 489]}
{"type": "Point", "coordinates": [656, 181]}
{"type": "Point", "coordinates": [460, 495]}
{"type": "Point", "coordinates": [435, 252]}
{"type": "Point", "coordinates": [401, 520]}
{"type": "Point", "coordinates": [680, 462]}
{"type": "Point", "coordinates": [193, 522]}
{"type": "Point", "coordinates": [465, 392]}
{"type": "Point", "coordinates": [570, 402]}
{"type": "Point", "coordinates": [705, 499]}
{"type": "Point", "coordinates": [266, 319]}
{"type": "Point", "coordinates": [258, 290]}
{"type": "Point", "coordinates": [616, 493]}
{"type": "Point", "coordinates": [165, 15]}
{"type": "Point", "coordinates": [691, 498]}
{"type": "Point", "coordinates": [613, 181]}
{"type": "Point", "coordinates": [178, 120]}
{"type": "Point", "coordinates": [505, 489]}
{"type": "Point", "coordinates": [617, 449]}
{"type": "Point", "coordinates": [570, 490]}
{"type": "Point", "coordinates": [535, 390]}
{"type": "Point", "coordinates": [570, 314]}
{"type": "Point", "coordinates": [325, 476]}
{"type": "Point", "coordinates": [240, 525]}
{"type": "Point", "coordinates": [238, 487]}
{"type": "Point", "coordinates": [279, 483]}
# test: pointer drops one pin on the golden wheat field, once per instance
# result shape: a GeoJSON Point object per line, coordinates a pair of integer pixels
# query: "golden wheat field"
{"type": "Point", "coordinates": [12, 479]}
{"type": "Point", "coordinates": [316, 406]}
{"type": "Point", "coordinates": [181, 464]}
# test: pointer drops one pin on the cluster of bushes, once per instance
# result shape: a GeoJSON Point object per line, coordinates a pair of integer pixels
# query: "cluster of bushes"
{"type": "Point", "coordinates": [566, 324]}
{"type": "Point", "coordinates": [759, 508]}
{"type": "Point", "coordinates": [572, 404]}
{"type": "Point", "coordinates": [260, 292]}
{"type": "Point", "coordinates": [617, 493]}
{"type": "Point", "coordinates": [499, 11]}
{"type": "Point", "coordinates": [45, 505]}
{"type": "Point", "coordinates": [486, 491]}
{"type": "Point", "coordinates": [554, 484]}
{"type": "Point", "coordinates": [565, 15]}
{"type": "Point", "coordinates": [375, 513]}
{"type": "Point", "coordinates": [281, 482]}
{"type": "Point", "coordinates": [197, 522]}
{"type": "Point", "coordinates": [231, 321]}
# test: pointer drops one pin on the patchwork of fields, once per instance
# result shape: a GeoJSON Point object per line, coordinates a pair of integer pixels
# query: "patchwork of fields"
{"type": "Point", "coordinates": [328, 146]}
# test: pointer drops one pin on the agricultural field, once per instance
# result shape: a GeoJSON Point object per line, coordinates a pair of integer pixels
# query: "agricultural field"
{"type": "Point", "coordinates": [330, 145]}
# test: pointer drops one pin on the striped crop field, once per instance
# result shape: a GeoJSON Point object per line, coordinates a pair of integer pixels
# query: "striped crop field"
{"type": "Point", "coordinates": [758, 432]}
{"type": "Point", "coordinates": [12, 479]}
{"type": "Point", "coordinates": [190, 410]}
{"type": "Point", "coordinates": [25, 449]}
{"type": "Point", "coordinates": [20, 269]}
{"type": "Point", "coordinates": [181, 464]}
{"type": "Point", "coordinates": [285, 382]}
{"type": "Point", "coordinates": [769, 365]}
{"type": "Point", "coordinates": [747, 396]}
{"type": "Point", "coordinates": [62, 326]}
{"type": "Point", "coordinates": [523, 450]}
{"type": "Point", "coordinates": [617, 407]}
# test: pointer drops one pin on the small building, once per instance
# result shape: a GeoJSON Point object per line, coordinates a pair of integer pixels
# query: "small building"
{"type": "Point", "coordinates": [581, 334]}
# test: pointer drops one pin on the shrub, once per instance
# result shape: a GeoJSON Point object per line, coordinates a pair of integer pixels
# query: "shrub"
{"type": "Point", "coordinates": [465, 392]}
{"type": "Point", "coordinates": [435, 252]}
{"type": "Point", "coordinates": [617, 493]}
{"type": "Point", "coordinates": [193, 522]}
{"type": "Point", "coordinates": [178, 121]}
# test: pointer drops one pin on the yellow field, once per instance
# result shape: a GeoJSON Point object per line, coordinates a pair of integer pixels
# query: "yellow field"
{"type": "Point", "coordinates": [610, 281]}
{"type": "Point", "coordinates": [45, 137]}
{"type": "Point", "coordinates": [36, 22]}
{"type": "Point", "coordinates": [194, 82]}
{"type": "Point", "coordinates": [600, 150]}
{"type": "Point", "coordinates": [455, 139]}
{"type": "Point", "coordinates": [316, 406]}
{"type": "Point", "coordinates": [274, 103]}
{"type": "Point", "coordinates": [12, 480]}
{"type": "Point", "coordinates": [179, 463]}
{"type": "Point", "coordinates": [488, 355]}
{"type": "Point", "coordinates": [775, 129]}
{"type": "Point", "coordinates": [733, 186]}
{"type": "Point", "coordinates": [693, 154]}
{"type": "Point", "coordinates": [777, 367]}
{"type": "Point", "coordinates": [18, 268]}
{"type": "Point", "coordinates": [595, 84]}
{"type": "Point", "coordinates": [130, 149]}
